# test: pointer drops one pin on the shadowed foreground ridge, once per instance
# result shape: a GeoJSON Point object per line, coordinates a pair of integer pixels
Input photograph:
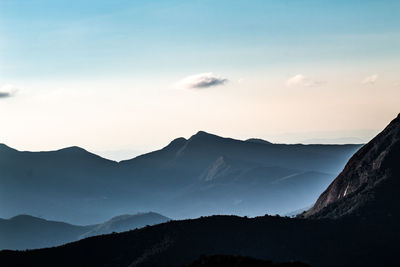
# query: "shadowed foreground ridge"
{"type": "Point", "coordinates": [28, 232]}
{"type": "Point", "coordinates": [370, 178]}
{"type": "Point", "coordinates": [359, 228]}
{"type": "Point", "coordinates": [238, 261]}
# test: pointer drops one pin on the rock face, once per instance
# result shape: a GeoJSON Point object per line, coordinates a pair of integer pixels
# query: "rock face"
{"type": "Point", "coordinates": [369, 183]}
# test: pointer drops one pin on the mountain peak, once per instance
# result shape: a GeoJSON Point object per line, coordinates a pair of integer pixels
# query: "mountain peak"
{"type": "Point", "coordinates": [73, 149]}
{"type": "Point", "coordinates": [177, 142]}
{"type": "Point", "coordinates": [370, 176]}
{"type": "Point", "coordinates": [258, 141]}
{"type": "Point", "coordinates": [202, 135]}
{"type": "Point", "coordinates": [25, 218]}
{"type": "Point", "coordinates": [4, 147]}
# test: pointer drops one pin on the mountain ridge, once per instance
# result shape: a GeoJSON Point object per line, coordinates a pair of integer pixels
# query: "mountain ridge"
{"type": "Point", "coordinates": [84, 188]}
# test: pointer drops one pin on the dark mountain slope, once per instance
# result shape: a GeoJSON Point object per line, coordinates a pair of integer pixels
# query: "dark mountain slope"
{"type": "Point", "coordinates": [238, 261]}
{"type": "Point", "coordinates": [316, 242]}
{"type": "Point", "coordinates": [28, 232]}
{"type": "Point", "coordinates": [370, 182]}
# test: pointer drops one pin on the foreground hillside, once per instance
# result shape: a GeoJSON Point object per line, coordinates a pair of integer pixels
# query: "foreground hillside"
{"type": "Point", "coordinates": [28, 232]}
{"type": "Point", "coordinates": [203, 175]}
{"type": "Point", "coordinates": [367, 236]}
{"type": "Point", "coordinates": [316, 242]}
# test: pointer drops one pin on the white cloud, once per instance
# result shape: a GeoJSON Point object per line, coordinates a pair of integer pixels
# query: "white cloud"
{"type": "Point", "coordinates": [300, 80]}
{"type": "Point", "coordinates": [370, 79]}
{"type": "Point", "coordinates": [7, 90]}
{"type": "Point", "coordinates": [201, 81]}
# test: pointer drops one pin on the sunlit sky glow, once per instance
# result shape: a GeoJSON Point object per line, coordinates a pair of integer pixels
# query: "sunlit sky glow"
{"type": "Point", "coordinates": [126, 77]}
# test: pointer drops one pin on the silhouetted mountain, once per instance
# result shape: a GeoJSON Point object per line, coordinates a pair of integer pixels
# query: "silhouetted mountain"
{"type": "Point", "coordinates": [252, 177]}
{"type": "Point", "coordinates": [315, 242]}
{"type": "Point", "coordinates": [28, 232]}
{"type": "Point", "coordinates": [342, 140]}
{"type": "Point", "coordinates": [370, 182]}
{"type": "Point", "coordinates": [23, 231]}
{"type": "Point", "coordinates": [258, 141]}
{"type": "Point", "coordinates": [126, 222]}
{"type": "Point", "coordinates": [362, 236]}
{"type": "Point", "coordinates": [205, 174]}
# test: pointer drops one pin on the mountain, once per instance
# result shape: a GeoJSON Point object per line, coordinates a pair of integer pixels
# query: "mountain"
{"type": "Point", "coordinates": [54, 184]}
{"type": "Point", "coordinates": [203, 175]}
{"type": "Point", "coordinates": [28, 232]}
{"type": "Point", "coordinates": [315, 242]}
{"type": "Point", "coordinates": [369, 183]}
{"type": "Point", "coordinates": [252, 177]}
{"type": "Point", "coordinates": [24, 231]}
{"type": "Point", "coordinates": [258, 141]}
{"type": "Point", "coordinates": [343, 140]}
{"type": "Point", "coordinates": [359, 228]}
{"type": "Point", "coordinates": [126, 222]}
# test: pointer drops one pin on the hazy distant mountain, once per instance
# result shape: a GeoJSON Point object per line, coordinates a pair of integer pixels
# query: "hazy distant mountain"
{"type": "Point", "coordinates": [205, 174]}
{"type": "Point", "coordinates": [24, 231]}
{"type": "Point", "coordinates": [28, 232]}
{"type": "Point", "coordinates": [343, 140]}
{"type": "Point", "coordinates": [360, 227]}
{"type": "Point", "coordinates": [126, 222]}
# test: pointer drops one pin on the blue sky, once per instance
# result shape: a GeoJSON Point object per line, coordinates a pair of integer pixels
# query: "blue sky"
{"type": "Point", "coordinates": [137, 49]}
{"type": "Point", "coordinates": [80, 38]}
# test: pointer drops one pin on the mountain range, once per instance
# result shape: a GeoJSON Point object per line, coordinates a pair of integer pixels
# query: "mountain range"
{"type": "Point", "coordinates": [353, 223]}
{"type": "Point", "coordinates": [203, 175]}
{"type": "Point", "coordinates": [28, 232]}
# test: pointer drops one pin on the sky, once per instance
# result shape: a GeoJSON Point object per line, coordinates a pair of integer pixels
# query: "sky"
{"type": "Point", "coordinates": [121, 78]}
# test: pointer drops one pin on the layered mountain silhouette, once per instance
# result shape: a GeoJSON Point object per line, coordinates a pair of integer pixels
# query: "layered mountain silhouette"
{"type": "Point", "coordinates": [28, 232]}
{"type": "Point", "coordinates": [203, 175]}
{"type": "Point", "coordinates": [354, 223]}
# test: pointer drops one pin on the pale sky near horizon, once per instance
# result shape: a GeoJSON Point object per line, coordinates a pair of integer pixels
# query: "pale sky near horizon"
{"type": "Point", "coordinates": [125, 77]}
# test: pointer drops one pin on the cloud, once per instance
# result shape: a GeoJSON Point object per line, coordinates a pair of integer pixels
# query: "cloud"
{"type": "Point", "coordinates": [201, 81]}
{"type": "Point", "coordinates": [4, 94]}
{"type": "Point", "coordinates": [7, 90]}
{"type": "Point", "coordinates": [300, 80]}
{"type": "Point", "coordinates": [370, 79]}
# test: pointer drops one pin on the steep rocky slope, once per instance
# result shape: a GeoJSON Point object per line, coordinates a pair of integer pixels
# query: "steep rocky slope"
{"type": "Point", "coordinates": [369, 184]}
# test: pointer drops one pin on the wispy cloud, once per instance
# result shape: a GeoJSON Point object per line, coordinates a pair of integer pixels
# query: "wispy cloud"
{"type": "Point", "coordinates": [201, 81]}
{"type": "Point", "coordinates": [7, 90]}
{"type": "Point", "coordinates": [300, 80]}
{"type": "Point", "coordinates": [4, 94]}
{"type": "Point", "coordinates": [370, 79]}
